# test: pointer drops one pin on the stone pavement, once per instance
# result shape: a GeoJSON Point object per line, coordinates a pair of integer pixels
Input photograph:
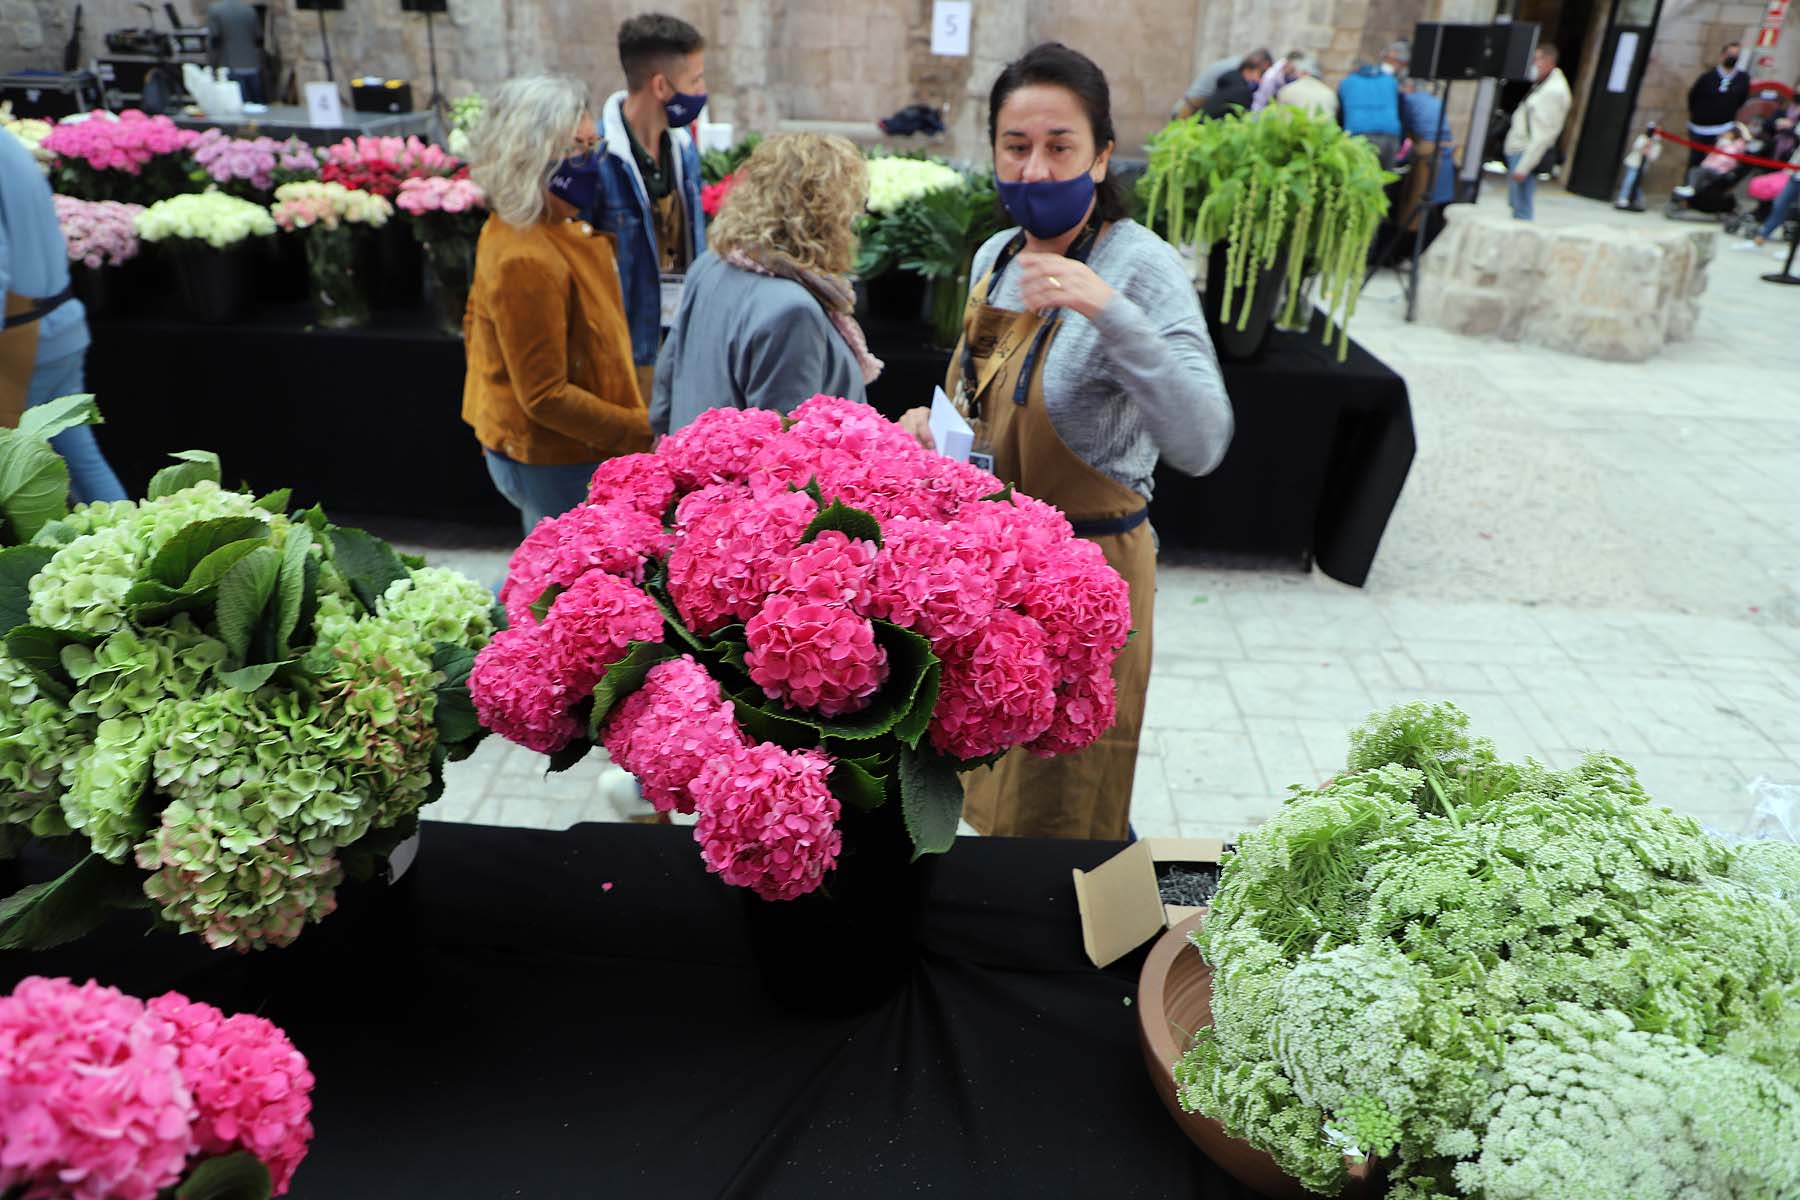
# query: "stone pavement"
{"type": "Point", "coordinates": [1587, 556]}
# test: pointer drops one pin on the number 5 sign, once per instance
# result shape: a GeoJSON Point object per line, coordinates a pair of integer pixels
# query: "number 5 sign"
{"type": "Point", "coordinates": [950, 28]}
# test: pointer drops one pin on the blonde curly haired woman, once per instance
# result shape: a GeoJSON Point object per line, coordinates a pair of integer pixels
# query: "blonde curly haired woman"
{"type": "Point", "coordinates": [765, 320]}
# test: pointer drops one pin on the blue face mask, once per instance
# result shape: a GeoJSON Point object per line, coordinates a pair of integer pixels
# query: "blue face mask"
{"type": "Point", "coordinates": [1051, 207]}
{"type": "Point", "coordinates": [684, 109]}
{"type": "Point", "coordinates": [577, 180]}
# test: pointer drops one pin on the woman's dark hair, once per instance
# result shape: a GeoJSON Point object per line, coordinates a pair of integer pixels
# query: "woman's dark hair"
{"type": "Point", "coordinates": [1054, 64]}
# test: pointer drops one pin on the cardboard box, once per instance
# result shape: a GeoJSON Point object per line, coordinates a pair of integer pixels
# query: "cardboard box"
{"type": "Point", "coordinates": [1121, 906]}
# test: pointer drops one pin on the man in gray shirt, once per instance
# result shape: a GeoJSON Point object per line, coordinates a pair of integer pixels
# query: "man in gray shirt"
{"type": "Point", "coordinates": [1208, 80]}
{"type": "Point", "coordinates": [234, 41]}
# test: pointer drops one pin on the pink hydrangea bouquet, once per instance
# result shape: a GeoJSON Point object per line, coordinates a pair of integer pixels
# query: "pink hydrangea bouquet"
{"type": "Point", "coordinates": [105, 1097]}
{"type": "Point", "coordinates": [770, 621]}
{"type": "Point", "coordinates": [99, 233]}
{"type": "Point", "coordinates": [131, 157]}
{"type": "Point", "coordinates": [251, 168]}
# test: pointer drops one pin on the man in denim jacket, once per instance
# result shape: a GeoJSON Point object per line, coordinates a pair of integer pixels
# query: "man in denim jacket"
{"type": "Point", "coordinates": [649, 194]}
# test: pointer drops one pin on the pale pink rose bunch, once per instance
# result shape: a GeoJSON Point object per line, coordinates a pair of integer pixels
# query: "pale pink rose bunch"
{"type": "Point", "coordinates": [226, 159]}
{"type": "Point", "coordinates": [104, 1097]}
{"type": "Point", "coordinates": [435, 193]}
{"type": "Point", "coordinates": [126, 144]}
{"type": "Point", "coordinates": [409, 155]}
{"type": "Point", "coordinates": [99, 233]}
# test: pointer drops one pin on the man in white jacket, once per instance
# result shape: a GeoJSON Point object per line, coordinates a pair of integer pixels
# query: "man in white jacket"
{"type": "Point", "coordinates": [1536, 126]}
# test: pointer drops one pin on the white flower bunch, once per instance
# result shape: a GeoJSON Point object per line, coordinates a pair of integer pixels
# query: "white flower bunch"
{"type": "Point", "coordinates": [211, 217]}
{"type": "Point", "coordinates": [894, 181]}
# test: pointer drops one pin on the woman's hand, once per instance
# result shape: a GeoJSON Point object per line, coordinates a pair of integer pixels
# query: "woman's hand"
{"type": "Point", "coordinates": [917, 421]}
{"type": "Point", "coordinates": [1049, 281]}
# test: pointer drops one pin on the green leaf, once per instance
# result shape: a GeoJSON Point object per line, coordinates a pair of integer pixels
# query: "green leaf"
{"type": "Point", "coordinates": [363, 858]}
{"type": "Point", "coordinates": [276, 501]}
{"type": "Point", "coordinates": [540, 608]}
{"type": "Point", "coordinates": [196, 466]}
{"type": "Point", "coordinates": [182, 554]}
{"type": "Point", "coordinates": [764, 720]}
{"type": "Point", "coordinates": [56, 534]}
{"type": "Point", "coordinates": [623, 678]}
{"type": "Point", "coordinates": [13, 838]}
{"type": "Point", "coordinates": [244, 595]}
{"type": "Point", "coordinates": [368, 564]}
{"type": "Point", "coordinates": [910, 664]}
{"type": "Point", "coordinates": [315, 518]}
{"type": "Point", "coordinates": [49, 823]}
{"type": "Point", "coordinates": [568, 756]}
{"type": "Point", "coordinates": [454, 715]}
{"type": "Point", "coordinates": [65, 412]}
{"type": "Point", "coordinates": [854, 786]}
{"type": "Point", "coordinates": [73, 904]}
{"type": "Point", "coordinates": [249, 679]}
{"type": "Point", "coordinates": [414, 562]}
{"type": "Point", "coordinates": [39, 651]}
{"type": "Point", "coordinates": [239, 1176]}
{"type": "Point", "coordinates": [18, 565]}
{"type": "Point", "coordinates": [911, 728]}
{"type": "Point", "coordinates": [852, 522]}
{"type": "Point", "coordinates": [34, 484]}
{"type": "Point", "coordinates": [291, 586]}
{"type": "Point", "coordinates": [931, 800]}
{"type": "Point", "coordinates": [1004, 495]}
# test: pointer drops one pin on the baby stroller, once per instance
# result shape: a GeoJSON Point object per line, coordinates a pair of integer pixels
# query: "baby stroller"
{"type": "Point", "coordinates": [1716, 198]}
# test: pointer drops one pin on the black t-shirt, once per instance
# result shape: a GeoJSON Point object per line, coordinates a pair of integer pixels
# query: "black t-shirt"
{"type": "Point", "coordinates": [1234, 91]}
{"type": "Point", "coordinates": [659, 178]}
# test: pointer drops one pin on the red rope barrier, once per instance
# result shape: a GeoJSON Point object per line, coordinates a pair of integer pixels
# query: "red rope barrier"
{"type": "Point", "coordinates": [1748, 158]}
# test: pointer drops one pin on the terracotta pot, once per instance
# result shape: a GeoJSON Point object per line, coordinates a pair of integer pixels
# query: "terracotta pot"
{"type": "Point", "coordinates": [1174, 999]}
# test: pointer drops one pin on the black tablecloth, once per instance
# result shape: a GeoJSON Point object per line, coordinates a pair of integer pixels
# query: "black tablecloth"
{"type": "Point", "coordinates": [500, 1025]}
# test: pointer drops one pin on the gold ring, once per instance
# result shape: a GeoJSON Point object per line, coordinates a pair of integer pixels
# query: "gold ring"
{"type": "Point", "coordinates": [1055, 281]}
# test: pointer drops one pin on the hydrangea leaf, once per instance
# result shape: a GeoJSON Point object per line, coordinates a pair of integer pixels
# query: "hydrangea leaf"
{"type": "Point", "coordinates": [244, 596]}
{"type": "Point", "coordinates": [276, 501]}
{"type": "Point", "coordinates": [931, 801]}
{"type": "Point", "coordinates": [239, 1176]}
{"type": "Point", "coordinates": [764, 721]}
{"type": "Point", "coordinates": [39, 651]}
{"type": "Point", "coordinates": [625, 677]}
{"type": "Point", "coordinates": [851, 522]}
{"type": "Point", "coordinates": [64, 413]}
{"type": "Point", "coordinates": [368, 564]}
{"type": "Point", "coordinates": [249, 679]}
{"type": "Point", "coordinates": [34, 485]}
{"type": "Point", "coordinates": [17, 566]}
{"type": "Point", "coordinates": [540, 608]}
{"type": "Point", "coordinates": [454, 715]}
{"type": "Point", "coordinates": [364, 858]}
{"type": "Point", "coordinates": [854, 786]}
{"type": "Point", "coordinates": [292, 585]}
{"type": "Point", "coordinates": [568, 756]}
{"type": "Point", "coordinates": [182, 554]}
{"type": "Point", "coordinates": [68, 907]}
{"type": "Point", "coordinates": [1003, 496]}
{"type": "Point", "coordinates": [13, 838]}
{"type": "Point", "coordinates": [196, 466]}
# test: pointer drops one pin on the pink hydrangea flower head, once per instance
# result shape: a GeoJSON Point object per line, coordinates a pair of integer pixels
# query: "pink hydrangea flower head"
{"type": "Point", "coordinates": [1086, 707]}
{"type": "Point", "coordinates": [998, 689]}
{"type": "Point", "coordinates": [668, 730]}
{"type": "Point", "coordinates": [1018, 536]}
{"type": "Point", "coordinates": [719, 446]}
{"type": "Point", "coordinates": [251, 1088]}
{"type": "Point", "coordinates": [933, 578]}
{"type": "Point", "coordinates": [721, 570]}
{"type": "Point", "coordinates": [1083, 604]}
{"type": "Point", "coordinates": [640, 481]}
{"type": "Point", "coordinates": [92, 1101]}
{"type": "Point", "coordinates": [519, 696]}
{"type": "Point", "coordinates": [616, 538]}
{"type": "Point", "coordinates": [951, 484]}
{"type": "Point", "coordinates": [768, 820]}
{"type": "Point", "coordinates": [833, 568]}
{"type": "Point", "coordinates": [592, 625]}
{"type": "Point", "coordinates": [818, 657]}
{"type": "Point", "coordinates": [694, 507]}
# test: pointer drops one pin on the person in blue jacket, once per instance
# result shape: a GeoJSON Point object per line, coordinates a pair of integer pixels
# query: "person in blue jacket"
{"type": "Point", "coordinates": [43, 345]}
{"type": "Point", "coordinates": [1370, 104]}
{"type": "Point", "coordinates": [648, 190]}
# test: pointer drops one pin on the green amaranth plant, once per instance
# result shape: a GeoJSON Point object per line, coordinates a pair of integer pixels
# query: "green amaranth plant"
{"type": "Point", "coordinates": [1281, 179]}
{"type": "Point", "coordinates": [1506, 981]}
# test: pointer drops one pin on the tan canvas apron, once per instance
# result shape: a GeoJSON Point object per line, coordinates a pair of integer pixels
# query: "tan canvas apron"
{"type": "Point", "coordinates": [18, 359]}
{"type": "Point", "coordinates": [1085, 795]}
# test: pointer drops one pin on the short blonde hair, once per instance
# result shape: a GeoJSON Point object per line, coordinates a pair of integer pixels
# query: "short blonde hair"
{"type": "Point", "coordinates": [797, 197]}
{"type": "Point", "coordinates": [523, 132]}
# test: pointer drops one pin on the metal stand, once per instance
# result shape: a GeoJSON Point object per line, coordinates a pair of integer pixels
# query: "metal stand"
{"type": "Point", "coordinates": [438, 104]}
{"type": "Point", "coordinates": [1409, 274]}
{"type": "Point", "coordinates": [325, 41]}
{"type": "Point", "coordinates": [1787, 272]}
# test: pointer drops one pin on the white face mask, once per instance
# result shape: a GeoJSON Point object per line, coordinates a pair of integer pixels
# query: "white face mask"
{"type": "Point", "coordinates": [1387, 68]}
{"type": "Point", "coordinates": [1533, 73]}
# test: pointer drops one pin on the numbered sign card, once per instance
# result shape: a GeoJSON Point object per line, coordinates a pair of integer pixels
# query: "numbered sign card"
{"type": "Point", "coordinates": [950, 28]}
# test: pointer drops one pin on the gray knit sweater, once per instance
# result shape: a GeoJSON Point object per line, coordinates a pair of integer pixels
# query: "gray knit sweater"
{"type": "Point", "coordinates": [1141, 379]}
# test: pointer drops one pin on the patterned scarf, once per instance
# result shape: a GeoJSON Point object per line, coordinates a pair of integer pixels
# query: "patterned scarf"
{"type": "Point", "coordinates": [832, 293]}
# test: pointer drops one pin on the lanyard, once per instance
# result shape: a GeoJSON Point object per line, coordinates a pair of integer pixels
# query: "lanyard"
{"type": "Point", "coordinates": [1078, 252]}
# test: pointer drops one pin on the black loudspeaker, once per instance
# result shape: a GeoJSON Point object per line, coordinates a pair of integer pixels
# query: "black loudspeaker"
{"type": "Point", "coordinates": [319, 5]}
{"type": "Point", "coordinates": [1443, 51]}
{"type": "Point", "coordinates": [425, 6]}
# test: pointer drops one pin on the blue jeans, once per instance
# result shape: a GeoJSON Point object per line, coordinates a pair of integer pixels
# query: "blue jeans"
{"type": "Point", "coordinates": [538, 492]}
{"type": "Point", "coordinates": [91, 478]}
{"type": "Point", "coordinates": [251, 83]}
{"type": "Point", "coordinates": [1520, 195]}
{"type": "Point", "coordinates": [1632, 190]}
{"type": "Point", "coordinates": [1778, 213]}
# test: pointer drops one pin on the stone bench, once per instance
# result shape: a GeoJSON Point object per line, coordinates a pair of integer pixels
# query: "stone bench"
{"type": "Point", "coordinates": [1610, 292]}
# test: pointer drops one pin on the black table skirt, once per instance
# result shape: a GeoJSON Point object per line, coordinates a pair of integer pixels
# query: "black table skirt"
{"type": "Point", "coordinates": [368, 422]}
{"type": "Point", "coordinates": [500, 1025]}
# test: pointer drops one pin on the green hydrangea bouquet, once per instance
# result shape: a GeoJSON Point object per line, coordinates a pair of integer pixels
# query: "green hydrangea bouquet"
{"type": "Point", "coordinates": [220, 709]}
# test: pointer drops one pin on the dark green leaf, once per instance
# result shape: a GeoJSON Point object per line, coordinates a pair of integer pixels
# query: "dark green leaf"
{"type": "Point", "coordinates": [1004, 495]}
{"type": "Point", "coordinates": [65, 412]}
{"type": "Point", "coordinates": [540, 608]}
{"type": "Point", "coordinates": [369, 565]}
{"type": "Point", "coordinates": [18, 565]}
{"type": "Point", "coordinates": [213, 567]}
{"type": "Point", "coordinates": [414, 562]}
{"type": "Point", "coordinates": [50, 823]}
{"type": "Point", "coordinates": [13, 838]}
{"type": "Point", "coordinates": [34, 485]}
{"type": "Point", "coordinates": [291, 585]}
{"type": "Point", "coordinates": [39, 650]}
{"type": "Point", "coordinates": [176, 562]}
{"type": "Point", "coordinates": [852, 522]}
{"type": "Point", "coordinates": [854, 786]}
{"type": "Point", "coordinates": [911, 728]}
{"type": "Point", "coordinates": [239, 1176]}
{"type": "Point", "coordinates": [249, 679]}
{"type": "Point", "coordinates": [812, 489]}
{"type": "Point", "coordinates": [244, 595]}
{"type": "Point", "coordinates": [764, 720]}
{"type": "Point", "coordinates": [365, 857]}
{"type": "Point", "coordinates": [314, 518]}
{"type": "Point", "coordinates": [196, 466]}
{"type": "Point", "coordinates": [568, 756]}
{"type": "Point", "coordinates": [276, 501]}
{"type": "Point", "coordinates": [69, 906]}
{"type": "Point", "coordinates": [304, 631]}
{"type": "Point", "coordinates": [454, 715]}
{"type": "Point", "coordinates": [931, 800]}
{"type": "Point", "coordinates": [623, 678]}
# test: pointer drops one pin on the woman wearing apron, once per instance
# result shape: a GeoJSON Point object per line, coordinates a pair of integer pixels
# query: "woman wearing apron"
{"type": "Point", "coordinates": [1084, 360]}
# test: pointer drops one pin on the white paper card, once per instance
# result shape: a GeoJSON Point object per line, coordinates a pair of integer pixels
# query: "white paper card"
{"type": "Point", "coordinates": [952, 434]}
{"type": "Point", "coordinates": [950, 28]}
{"type": "Point", "coordinates": [1623, 57]}
{"type": "Point", "coordinates": [324, 107]}
{"type": "Point", "coordinates": [672, 287]}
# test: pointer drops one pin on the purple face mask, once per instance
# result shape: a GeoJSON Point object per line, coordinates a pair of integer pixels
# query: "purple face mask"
{"type": "Point", "coordinates": [577, 180]}
{"type": "Point", "coordinates": [1051, 207]}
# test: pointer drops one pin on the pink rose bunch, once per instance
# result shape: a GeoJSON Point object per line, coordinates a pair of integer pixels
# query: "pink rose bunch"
{"type": "Point", "coordinates": [99, 233]}
{"type": "Point", "coordinates": [250, 162]}
{"type": "Point", "coordinates": [713, 195]}
{"type": "Point", "coordinates": [435, 193]}
{"type": "Point", "coordinates": [103, 1097]}
{"type": "Point", "coordinates": [410, 156]}
{"type": "Point", "coordinates": [127, 143]}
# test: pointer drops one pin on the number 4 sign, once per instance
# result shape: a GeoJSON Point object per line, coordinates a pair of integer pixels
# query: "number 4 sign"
{"type": "Point", "coordinates": [950, 28]}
